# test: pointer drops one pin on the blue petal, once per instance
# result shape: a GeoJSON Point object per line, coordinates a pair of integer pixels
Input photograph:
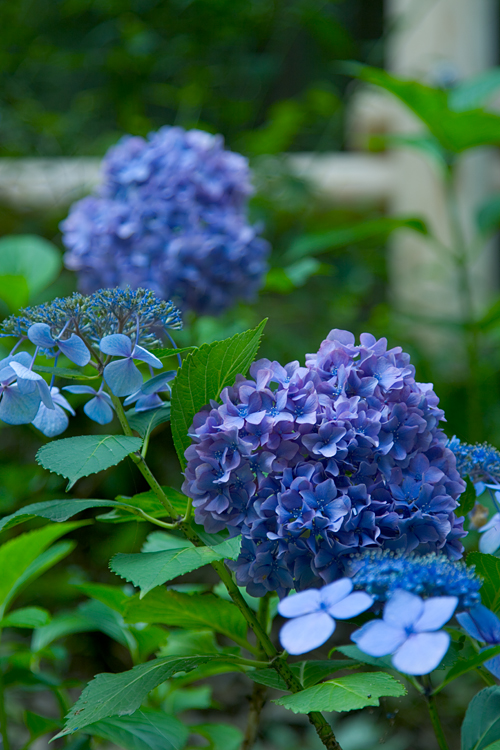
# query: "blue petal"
{"type": "Point", "coordinates": [158, 383]}
{"type": "Point", "coordinates": [40, 335]}
{"type": "Point", "coordinates": [123, 377]}
{"type": "Point", "coordinates": [117, 345]}
{"type": "Point", "coordinates": [17, 407]}
{"type": "Point", "coordinates": [306, 633]}
{"type": "Point", "coordinates": [468, 624]}
{"type": "Point", "coordinates": [485, 622]}
{"type": "Point", "coordinates": [140, 353]}
{"type": "Point", "coordinates": [421, 653]}
{"type": "Point", "coordinates": [351, 606]}
{"type": "Point", "coordinates": [145, 403]}
{"type": "Point", "coordinates": [79, 389]}
{"type": "Point", "coordinates": [75, 350]}
{"type": "Point", "coordinates": [28, 376]}
{"type": "Point", "coordinates": [494, 666]}
{"type": "Point", "coordinates": [403, 609]}
{"type": "Point", "coordinates": [336, 591]}
{"type": "Point", "coordinates": [377, 638]}
{"type": "Point", "coordinates": [437, 611]}
{"type": "Point", "coordinates": [300, 604]}
{"type": "Point", "coordinates": [490, 539]}
{"type": "Point", "coordinates": [51, 421]}
{"type": "Point", "coordinates": [99, 410]}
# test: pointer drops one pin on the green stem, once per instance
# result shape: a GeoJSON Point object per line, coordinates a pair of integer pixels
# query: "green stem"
{"type": "Point", "coordinates": [436, 723]}
{"type": "Point", "coordinates": [266, 647]}
{"type": "Point", "coordinates": [3, 714]}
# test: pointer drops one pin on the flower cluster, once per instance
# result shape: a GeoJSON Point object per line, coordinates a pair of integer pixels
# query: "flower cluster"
{"type": "Point", "coordinates": [480, 462]}
{"type": "Point", "coordinates": [108, 330]}
{"type": "Point", "coordinates": [170, 215]}
{"type": "Point", "coordinates": [314, 464]}
{"type": "Point", "coordinates": [381, 572]}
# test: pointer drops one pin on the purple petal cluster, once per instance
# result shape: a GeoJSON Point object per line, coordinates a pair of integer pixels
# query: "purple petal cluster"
{"type": "Point", "coordinates": [314, 464]}
{"type": "Point", "coordinates": [170, 215]}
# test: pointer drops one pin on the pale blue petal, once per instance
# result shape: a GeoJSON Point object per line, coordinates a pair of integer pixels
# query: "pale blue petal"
{"type": "Point", "coordinates": [300, 604]}
{"type": "Point", "coordinates": [51, 421]}
{"type": "Point", "coordinates": [123, 377]}
{"type": "Point", "coordinates": [421, 653]}
{"type": "Point", "coordinates": [75, 350]}
{"type": "Point", "coordinates": [40, 335]}
{"type": "Point", "coordinates": [59, 400]}
{"type": "Point", "coordinates": [24, 374]}
{"type": "Point", "coordinates": [145, 403]}
{"type": "Point", "coordinates": [490, 540]}
{"type": "Point", "coordinates": [17, 407]}
{"type": "Point", "coordinates": [79, 389]}
{"type": "Point", "coordinates": [306, 633]}
{"type": "Point", "coordinates": [494, 521]}
{"type": "Point", "coordinates": [351, 606]}
{"type": "Point", "coordinates": [470, 627]}
{"type": "Point", "coordinates": [153, 385]}
{"type": "Point", "coordinates": [484, 622]}
{"type": "Point", "coordinates": [98, 410]}
{"type": "Point", "coordinates": [117, 345]}
{"type": "Point", "coordinates": [377, 638]}
{"type": "Point", "coordinates": [494, 666]}
{"type": "Point", "coordinates": [403, 609]}
{"type": "Point", "coordinates": [437, 612]}
{"type": "Point", "coordinates": [336, 591]}
{"type": "Point", "coordinates": [133, 397]}
{"type": "Point", "coordinates": [140, 353]}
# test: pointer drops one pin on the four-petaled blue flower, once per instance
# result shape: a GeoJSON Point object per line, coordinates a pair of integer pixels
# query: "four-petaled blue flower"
{"type": "Point", "coordinates": [53, 421]}
{"type": "Point", "coordinates": [73, 347]}
{"type": "Point", "coordinates": [480, 623]}
{"type": "Point", "coordinates": [410, 630]}
{"type": "Point", "coordinates": [122, 376]}
{"type": "Point", "coordinates": [147, 396]}
{"type": "Point", "coordinates": [99, 408]}
{"type": "Point", "coordinates": [314, 612]}
{"type": "Point", "coordinates": [17, 405]}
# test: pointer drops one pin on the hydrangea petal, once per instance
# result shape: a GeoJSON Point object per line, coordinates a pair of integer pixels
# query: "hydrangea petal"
{"type": "Point", "coordinates": [437, 612]}
{"type": "Point", "coordinates": [483, 622]}
{"type": "Point", "coordinates": [403, 609]}
{"type": "Point", "coordinates": [140, 353]}
{"type": "Point", "coordinates": [40, 335]}
{"type": "Point", "coordinates": [351, 606]}
{"type": "Point", "coordinates": [490, 536]}
{"type": "Point", "coordinates": [51, 422]}
{"type": "Point", "coordinates": [17, 407]}
{"type": "Point", "coordinates": [336, 591]}
{"type": "Point", "coordinates": [158, 382]}
{"type": "Point", "coordinates": [421, 653]}
{"type": "Point", "coordinates": [494, 666]}
{"type": "Point", "coordinates": [99, 410]}
{"type": "Point", "coordinates": [377, 638]}
{"type": "Point", "coordinates": [306, 633]}
{"type": "Point", "coordinates": [123, 377]}
{"type": "Point", "coordinates": [25, 374]}
{"type": "Point", "coordinates": [470, 627]}
{"type": "Point", "coordinates": [75, 350]}
{"type": "Point", "coordinates": [116, 345]}
{"type": "Point", "coordinates": [79, 389]}
{"type": "Point", "coordinates": [300, 604]}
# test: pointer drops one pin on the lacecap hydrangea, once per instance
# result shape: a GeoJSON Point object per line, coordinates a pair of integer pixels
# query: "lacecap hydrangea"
{"type": "Point", "coordinates": [315, 464]}
{"type": "Point", "coordinates": [171, 216]}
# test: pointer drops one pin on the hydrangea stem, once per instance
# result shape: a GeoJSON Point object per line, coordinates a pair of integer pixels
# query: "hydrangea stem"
{"type": "Point", "coordinates": [436, 722]}
{"type": "Point", "coordinates": [259, 692]}
{"type": "Point", "coordinates": [266, 647]}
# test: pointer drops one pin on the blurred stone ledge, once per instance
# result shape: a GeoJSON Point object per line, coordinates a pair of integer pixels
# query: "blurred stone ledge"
{"type": "Point", "coordinates": [38, 183]}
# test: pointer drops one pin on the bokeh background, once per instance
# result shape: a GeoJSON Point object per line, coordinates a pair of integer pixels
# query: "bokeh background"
{"type": "Point", "coordinates": [76, 75]}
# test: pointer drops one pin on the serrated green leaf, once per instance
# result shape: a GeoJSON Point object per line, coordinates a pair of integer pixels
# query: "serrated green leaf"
{"type": "Point", "coordinates": [188, 611]}
{"type": "Point", "coordinates": [310, 244]}
{"type": "Point", "coordinates": [344, 694]}
{"type": "Point", "coordinates": [462, 666]}
{"type": "Point", "coordinates": [146, 729]}
{"type": "Point", "coordinates": [32, 257]}
{"type": "Point", "coordinates": [307, 672]}
{"type": "Point", "coordinates": [219, 736]}
{"type": "Point", "coordinates": [144, 422]}
{"type": "Point", "coordinates": [203, 375]}
{"type": "Point", "coordinates": [112, 596]}
{"type": "Point", "coordinates": [18, 554]}
{"type": "Point", "coordinates": [488, 567]}
{"type": "Point", "coordinates": [26, 617]}
{"type": "Point", "coordinates": [122, 694]}
{"type": "Point", "coordinates": [481, 725]}
{"type": "Point", "coordinates": [494, 746]}
{"type": "Point", "coordinates": [78, 457]}
{"type": "Point", "coordinates": [353, 652]}
{"type": "Point", "coordinates": [150, 503]}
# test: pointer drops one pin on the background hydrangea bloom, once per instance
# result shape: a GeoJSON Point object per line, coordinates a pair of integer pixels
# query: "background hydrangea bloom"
{"type": "Point", "coordinates": [314, 464]}
{"type": "Point", "coordinates": [170, 215]}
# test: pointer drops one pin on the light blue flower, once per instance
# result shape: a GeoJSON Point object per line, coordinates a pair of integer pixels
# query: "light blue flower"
{"type": "Point", "coordinates": [53, 421]}
{"type": "Point", "coordinates": [147, 396]}
{"type": "Point", "coordinates": [314, 612]}
{"type": "Point", "coordinates": [122, 375]}
{"type": "Point", "coordinates": [410, 630]}
{"type": "Point", "coordinates": [73, 347]}
{"type": "Point", "coordinates": [17, 406]}
{"type": "Point", "coordinates": [483, 625]}
{"type": "Point", "coordinates": [99, 408]}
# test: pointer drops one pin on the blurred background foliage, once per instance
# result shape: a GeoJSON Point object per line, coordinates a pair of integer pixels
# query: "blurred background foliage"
{"type": "Point", "coordinates": [75, 75]}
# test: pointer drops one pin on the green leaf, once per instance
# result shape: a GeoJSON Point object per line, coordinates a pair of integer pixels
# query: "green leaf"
{"type": "Point", "coordinates": [146, 729]}
{"type": "Point", "coordinates": [488, 567]}
{"type": "Point", "coordinates": [494, 746]}
{"type": "Point", "coordinates": [32, 257]}
{"type": "Point", "coordinates": [78, 457]}
{"type": "Point", "coordinates": [475, 91]}
{"type": "Point", "coordinates": [65, 372]}
{"type": "Point", "coordinates": [481, 725]}
{"type": "Point", "coordinates": [310, 244]}
{"type": "Point", "coordinates": [220, 736]}
{"type": "Point", "coordinates": [353, 652]}
{"type": "Point", "coordinates": [26, 617]}
{"type": "Point", "coordinates": [144, 422]}
{"type": "Point", "coordinates": [455, 130]}
{"type": "Point", "coordinates": [462, 666]}
{"type": "Point", "coordinates": [113, 596]}
{"type": "Point", "coordinates": [188, 611]}
{"type": "Point", "coordinates": [150, 503]}
{"type": "Point", "coordinates": [467, 500]}
{"type": "Point", "coordinates": [488, 215]}
{"type": "Point", "coordinates": [185, 699]}
{"type": "Point", "coordinates": [38, 725]}
{"type": "Point", "coordinates": [344, 694]}
{"type": "Point", "coordinates": [122, 694]}
{"type": "Point", "coordinates": [308, 672]}
{"type": "Point", "coordinates": [59, 627]}
{"type": "Point", "coordinates": [43, 562]}
{"type": "Point", "coordinates": [18, 554]}
{"type": "Point", "coordinates": [203, 375]}
{"type": "Point", "coordinates": [14, 291]}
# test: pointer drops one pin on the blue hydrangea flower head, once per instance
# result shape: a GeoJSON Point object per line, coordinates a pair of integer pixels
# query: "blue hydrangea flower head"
{"type": "Point", "coordinates": [170, 215]}
{"type": "Point", "coordinates": [315, 464]}
{"type": "Point", "coordinates": [410, 630]}
{"type": "Point", "coordinates": [380, 572]}
{"type": "Point", "coordinates": [479, 462]}
{"type": "Point", "coordinates": [313, 613]}
{"type": "Point", "coordinates": [483, 625]}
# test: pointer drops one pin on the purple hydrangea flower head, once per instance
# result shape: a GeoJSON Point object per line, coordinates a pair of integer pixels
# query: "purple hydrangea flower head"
{"type": "Point", "coordinates": [342, 456]}
{"type": "Point", "coordinates": [314, 611]}
{"type": "Point", "coordinates": [483, 625]}
{"type": "Point", "coordinates": [410, 630]}
{"type": "Point", "coordinates": [53, 421]}
{"type": "Point", "coordinates": [170, 215]}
